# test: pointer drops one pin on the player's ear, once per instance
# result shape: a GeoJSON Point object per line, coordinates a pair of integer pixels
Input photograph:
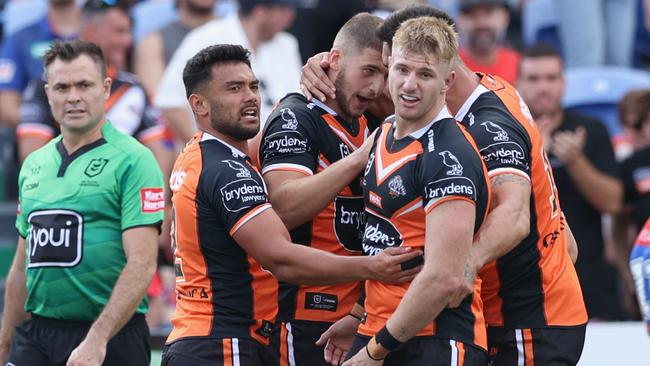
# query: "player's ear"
{"type": "Point", "coordinates": [335, 58]}
{"type": "Point", "coordinates": [449, 81]}
{"type": "Point", "coordinates": [107, 87]}
{"type": "Point", "coordinates": [199, 105]}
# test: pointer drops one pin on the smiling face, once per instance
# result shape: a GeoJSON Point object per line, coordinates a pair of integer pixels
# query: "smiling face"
{"type": "Point", "coordinates": [77, 91]}
{"type": "Point", "coordinates": [234, 98]}
{"type": "Point", "coordinates": [417, 85]}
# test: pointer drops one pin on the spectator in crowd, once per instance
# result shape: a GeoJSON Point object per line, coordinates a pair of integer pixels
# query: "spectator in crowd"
{"type": "Point", "coordinates": [21, 54]}
{"type": "Point", "coordinates": [585, 170]}
{"type": "Point", "coordinates": [154, 51]}
{"type": "Point", "coordinates": [258, 26]}
{"type": "Point", "coordinates": [635, 173]}
{"type": "Point", "coordinates": [597, 32]}
{"type": "Point", "coordinates": [77, 296]}
{"type": "Point", "coordinates": [482, 26]}
{"type": "Point", "coordinates": [128, 107]}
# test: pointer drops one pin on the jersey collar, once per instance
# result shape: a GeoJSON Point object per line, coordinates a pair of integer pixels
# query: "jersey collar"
{"type": "Point", "coordinates": [444, 113]}
{"type": "Point", "coordinates": [235, 151]}
{"type": "Point", "coordinates": [480, 89]}
{"type": "Point", "coordinates": [322, 106]}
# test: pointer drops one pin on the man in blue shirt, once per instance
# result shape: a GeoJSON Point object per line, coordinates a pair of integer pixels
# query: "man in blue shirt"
{"type": "Point", "coordinates": [21, 54]}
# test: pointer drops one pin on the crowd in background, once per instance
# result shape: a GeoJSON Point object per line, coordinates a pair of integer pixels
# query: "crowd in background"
{"type": "Point", "coordinates": [601, 168]}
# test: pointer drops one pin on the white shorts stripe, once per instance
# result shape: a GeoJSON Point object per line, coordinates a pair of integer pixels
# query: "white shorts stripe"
{"type": "Point", "coordinates": [521, 356]}
{"type": "Point", "coordinates": [235, 352]}
{"type": "Point", "coordinates": [454, 353]}
{"type": "Point", "coordinates": [291, 356]}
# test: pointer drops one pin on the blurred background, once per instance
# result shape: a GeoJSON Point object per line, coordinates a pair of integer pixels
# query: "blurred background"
{"type": "Point", "coordinates": [578, 64]}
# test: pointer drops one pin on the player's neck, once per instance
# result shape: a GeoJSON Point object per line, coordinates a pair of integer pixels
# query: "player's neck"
{"type": "Point", "coordinates": [464, 85]}
{"type": "Point", "coordinates": [73, 141]}
{"type": "Point", "coordinates": [241, 145]}
{"type": "Point", "coordinates": [405, 127]}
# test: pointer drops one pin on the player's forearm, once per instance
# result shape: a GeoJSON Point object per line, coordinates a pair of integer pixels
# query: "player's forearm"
{"type": "Point", "coordinates": [310, 266]}
{"type": "Point", "coordinates": [297, 201]}
{"type": "Point", "coordinates": [427, 295]}
{"type": "Point", "coordinates": [14, 299]}
{"type": "Point", "coordinates": [180, 123]}
{"type": "Point", "coordinates": [127, 294]}
{"type": "Point", "coordinates": [602, 191]}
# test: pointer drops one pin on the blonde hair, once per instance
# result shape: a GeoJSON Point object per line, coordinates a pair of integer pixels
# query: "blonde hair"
{"type": "Point", "coordinates": [431, 37]}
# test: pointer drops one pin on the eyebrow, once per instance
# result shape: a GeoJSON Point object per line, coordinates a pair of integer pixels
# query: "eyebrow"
{"type": "Point", "coordinates": [241, 82]}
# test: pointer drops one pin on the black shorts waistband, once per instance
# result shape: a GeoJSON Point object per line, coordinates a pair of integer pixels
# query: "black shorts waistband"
{"type": "Point", "coordinates": [136, 319]}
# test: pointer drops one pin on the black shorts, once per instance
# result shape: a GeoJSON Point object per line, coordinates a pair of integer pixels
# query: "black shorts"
{"type": "Point", "coordinates": [427, 351]}
{"type": "Point", "coordinates": [42, 341]}
{"type": "Point", "coordinates": [558, 346]}
{"type": "Point", "coordinates": [293, 344]}
{"type": "Point", "coordinates": [216, 352]}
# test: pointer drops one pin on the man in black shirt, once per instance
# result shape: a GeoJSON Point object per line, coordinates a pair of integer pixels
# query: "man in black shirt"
{"type": "Point", "coordinates": [585, 170]}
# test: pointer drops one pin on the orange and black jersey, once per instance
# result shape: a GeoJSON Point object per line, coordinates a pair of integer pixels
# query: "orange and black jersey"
{"type": "Point", "coordinates": [404, 180]}
{"type": "Point", "coordinates": [222, 292]}
{"type": "Point", "coordinates": [307, 137]}
{"type": "Point", "coordinates": [535, 284]}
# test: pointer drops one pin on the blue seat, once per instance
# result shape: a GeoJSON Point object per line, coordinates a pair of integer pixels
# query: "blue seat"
{"type": "Point", "coordinates": [20, 13]}
{"type": "Point", "coordinates": [596, 91]}
{"type": "Point", "coordinates": [540, 23]}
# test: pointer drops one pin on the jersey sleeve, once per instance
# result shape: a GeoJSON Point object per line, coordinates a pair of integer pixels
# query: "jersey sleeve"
{"type": "Point", "coordinates": [35, 115]}
{"type": "Point", "coordinates": [503, 143]}
{"type": "Point", "coordinates": [142, 195]}
{"type": "Point", "coordinates": [236, 191]}
{"type": "Point", "coordinates": [12, 69]}
{"type": "Point", "coordinates": [288, 142]}
{"type": "Point", "coordinates": [451, 172]}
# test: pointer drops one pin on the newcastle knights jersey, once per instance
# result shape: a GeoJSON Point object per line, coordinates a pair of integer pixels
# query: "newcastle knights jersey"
{"type": "Point", "coordinates": [307, 137]}
{"type": "Point", "coordinates": [404, 180]}
{"type": "Point", "coordinates": [534, 285]}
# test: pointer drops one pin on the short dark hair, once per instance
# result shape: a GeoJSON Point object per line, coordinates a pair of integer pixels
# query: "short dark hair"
{"type": "Point", "coordinates": [387, 30]}
{"type": "Point", "coordinates": [359, 32]}
{"type": "Point", "coordinates": [537, 51]}
{"type": "Point", "coordinates": [71, 50]}
{"type": "Point", "coordinates": [198, 69]}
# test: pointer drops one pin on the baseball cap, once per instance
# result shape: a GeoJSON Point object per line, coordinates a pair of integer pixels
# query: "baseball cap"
{"type": "Point", "coordinates": [466, 5]}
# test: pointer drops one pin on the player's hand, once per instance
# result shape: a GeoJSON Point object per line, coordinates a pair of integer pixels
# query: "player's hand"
{"type": "Point", "coordinates": [314, 82]}
{"type": "Point", "coordinates": [363, 151]}
{"type": "Point", "coordinates": [467, 287]}
{"type": "Point", "coordinates": [388, 265]}
{"type": "Point", "coordinates": [90, 352]}
{"type": "Point", "coordinates": [567, 145]}
{"type": "Point", "coordinates": [362, 359]}
{"type": "Point", "coordinates": [338, 339]}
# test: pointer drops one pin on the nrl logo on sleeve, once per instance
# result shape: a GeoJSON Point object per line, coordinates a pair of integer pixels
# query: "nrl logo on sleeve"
{"type": "Point", "coordinates": [95, 167]}
{"type": "Point", "coordinates": [152, 199]}
{"type": "Point", "coordinates": [493, 128]}
{"type": "Point", "coordinates": [452, 162]}
{"type": "Point", "coordinates": [289, 118]}
{"type": "Point", "coordinates": [242, 171]}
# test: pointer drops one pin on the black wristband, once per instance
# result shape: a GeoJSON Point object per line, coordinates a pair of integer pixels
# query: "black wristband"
{"type": "Point", "coordinates": [370, 356]}
{"type": "Point", "coordinates": [386, 339]}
